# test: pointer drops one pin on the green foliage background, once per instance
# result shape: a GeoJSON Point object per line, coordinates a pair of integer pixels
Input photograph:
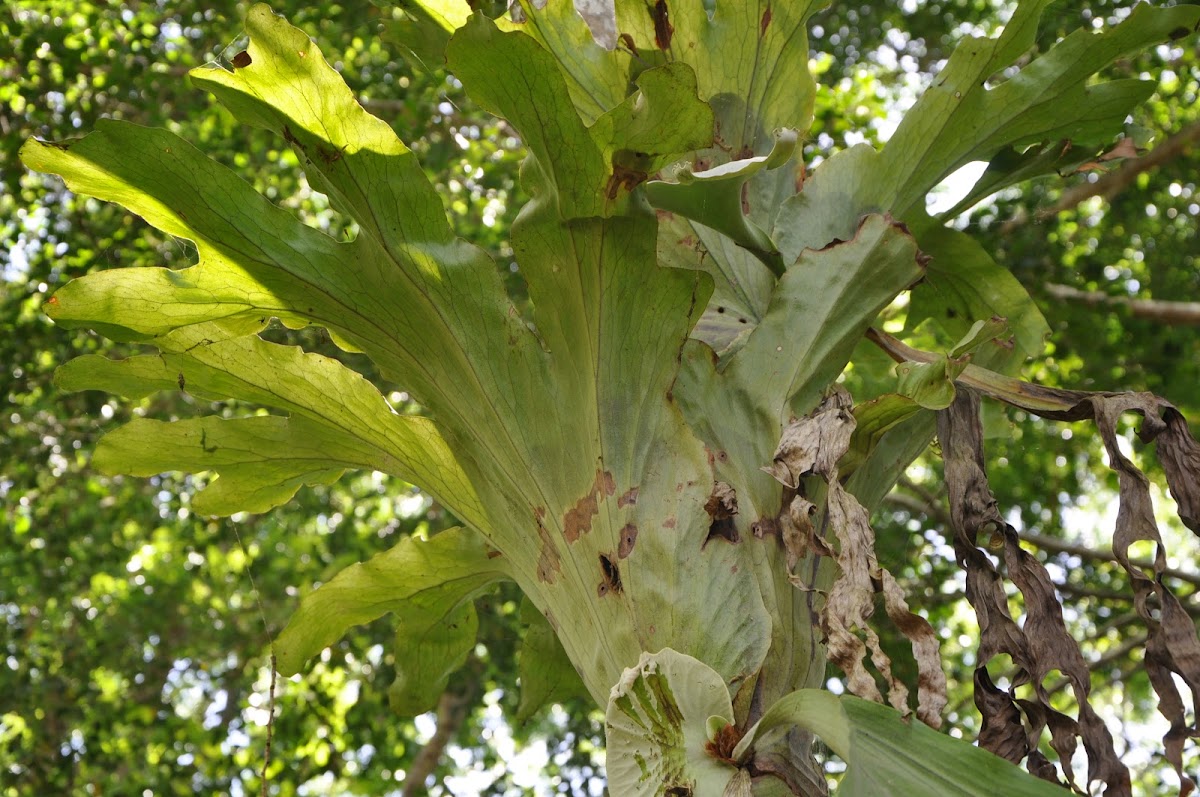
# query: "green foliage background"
{"type": "Point", "coordinates": [134, 646]}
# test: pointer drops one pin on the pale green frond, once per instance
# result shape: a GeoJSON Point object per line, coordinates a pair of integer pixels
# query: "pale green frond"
{"type": "Point", "coordinates": [546, 672]}
{"type": "Point", "coordinates": [422, 581]}
{"type": "Point", "coordinates": [888, 755]}
{"type": "Point", "coordinates": [657, 727]}
{"type": "Point", "coordinates": [312, 387]}
{"type": "Point", "coordinates": [261, 461]}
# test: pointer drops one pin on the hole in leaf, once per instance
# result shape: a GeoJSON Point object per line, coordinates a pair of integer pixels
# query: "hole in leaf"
{"type": "Point", "coordinates": [612, 576]}
{"type": "Point", "coordinates": [721, 506]}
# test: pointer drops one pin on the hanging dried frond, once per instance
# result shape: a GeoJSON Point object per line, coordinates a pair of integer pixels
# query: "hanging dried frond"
{"type": "Point", "coordinates": [1042, 644]}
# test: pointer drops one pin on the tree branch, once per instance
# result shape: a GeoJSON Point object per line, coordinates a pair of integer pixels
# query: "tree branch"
{"type": "Point", "coordinates": [451, 711]}
{"type": "Point", "coordinates": [911, 503]}
{"type": "Point", "coordinates": [1183, 313]}
{"type": "Point", "coordinates": [1084, 552]}
{"type": "Point", "coordinates": [1113, 183]}
{"type": "Point", "coordinates": [1115, 653]}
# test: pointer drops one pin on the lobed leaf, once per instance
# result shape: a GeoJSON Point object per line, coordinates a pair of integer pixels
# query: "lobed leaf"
{"type": "Point", "coordinates": [319, 393]}
{"type": "Point", "coordinates": [423, 582]}
{"type": "Point", "coordinates": [261, 461]}
{"type": "Point", "coordinates": [750, 59]}
{"type": "Point", "coordinates": [818, 311]}
{"type": "Point", "coordinates": [430, 647]}
{"type": "Point", "coordinates": [546, 672]}
{"type": "Point", "coordinates": [597, 78]}
{"type": "Point", "coordinates": [960, 118]}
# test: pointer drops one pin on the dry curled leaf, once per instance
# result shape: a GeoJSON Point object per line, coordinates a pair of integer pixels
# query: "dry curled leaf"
{"type": "Point", "coordinates": [1042, 644]}
{"type": "Point", "coordinates": [799, 533]}
{"type": "Point", "coordinates": [814, 443]}
{"type": "Point", "coordinates": [1172, 647]}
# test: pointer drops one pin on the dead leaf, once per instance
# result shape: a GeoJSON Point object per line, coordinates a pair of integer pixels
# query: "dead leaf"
{"type": "Point", "coordinates": [1125, 148]}
{"type": "Point", "coordinates": [813, 446]}
{"type": "Point", "coordinates": [814, 443]}
{"type": "Point", "coordinates": [1038, 647]}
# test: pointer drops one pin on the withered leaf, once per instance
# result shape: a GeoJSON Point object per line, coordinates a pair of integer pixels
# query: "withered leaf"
{"type": "Point", "coordinates": [1172, 646]}
{"type": "Point", "coordinates": [931, 679]}
{"type": "Point", "coordinates": [812, 446]}
{"type": "Point", "coordinates": [814, 443]}
{"type": "Point", "coordinates": [1180, 457]}
{"type": "Point", "coordinates": [799, 534]}
{"type": "Point", "coordinates": [1043, 643]}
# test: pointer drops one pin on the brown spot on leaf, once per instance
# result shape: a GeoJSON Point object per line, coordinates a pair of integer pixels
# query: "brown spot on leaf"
{"type": "Point", "coordinates": [241, 60]}
{"type": "Point", "coordinates": [623, 177]}
{"type": "Point", "coordinates": [627, 40]}
{"type": "Point", "coordinates": [549, 561]}
{"type": "Point", "coordinates": [663, 29]}
{"type": "Point", "coordinates": [764, 526]}
{"type": "Point", "coordinates": [329, 155]}
{"type": "Point", "coordinates": [669, 523]}
{"type": "Point", "coordinates": [628, 498]}
{"type": "Point", "coordinates": [628, 538]}
{"type": "Point", "coordinates": [578, 519]}
{"type": "Point", "coordinates": [766, 22]}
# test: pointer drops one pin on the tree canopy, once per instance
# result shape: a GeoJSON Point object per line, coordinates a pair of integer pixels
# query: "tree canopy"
{"type": "Point", "coordinates": [139, 628]}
